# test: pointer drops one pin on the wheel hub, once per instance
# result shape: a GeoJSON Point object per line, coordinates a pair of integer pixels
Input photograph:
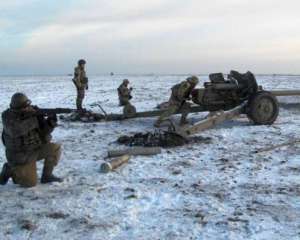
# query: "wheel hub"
{"type": "Point", "coordinates": [265, 109]}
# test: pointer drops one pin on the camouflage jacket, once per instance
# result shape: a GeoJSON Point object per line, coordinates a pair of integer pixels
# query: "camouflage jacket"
{"type": "Point", "coordinates": [23, 134]}
{"type": "Point", "coordinates": [80, 80]}
{"type": "Point", "coordinates": [124, 92]}
{"type": "Point", "coordinates": [180, 93]}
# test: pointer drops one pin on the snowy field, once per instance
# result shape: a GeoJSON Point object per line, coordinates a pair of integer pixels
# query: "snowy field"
{"type": "Point", "coordinates": [221, 190]}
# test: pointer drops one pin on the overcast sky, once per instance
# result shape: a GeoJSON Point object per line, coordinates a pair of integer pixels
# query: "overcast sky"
{"type": "Point", "coordinates": [157, 36]}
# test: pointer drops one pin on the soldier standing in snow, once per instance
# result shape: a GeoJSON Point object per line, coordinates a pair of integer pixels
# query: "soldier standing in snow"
{"type": "Point", "coordinates": [81, 82]}
{"type": "Point", "coordinates": [180, 94]}
{"type": "Point", "coordinates": [124, 93]}
{"type": "Point", "coordinates": [27, 139]}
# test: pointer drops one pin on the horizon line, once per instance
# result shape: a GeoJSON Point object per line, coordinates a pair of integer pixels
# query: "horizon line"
{"type": "Point", "coordinates": [138, 74]}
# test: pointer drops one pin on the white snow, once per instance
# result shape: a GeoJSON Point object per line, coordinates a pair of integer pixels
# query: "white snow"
{"type": "Point", "coordinates": [221, 190]}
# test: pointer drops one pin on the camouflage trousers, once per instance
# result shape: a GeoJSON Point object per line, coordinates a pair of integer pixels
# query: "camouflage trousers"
{"type": "Point", "coordinates": [123, 101]}
{"type": "Point", "coordinates": [80, 97]}
{"type": "Point", "coordinates": [172, 109]}
{"type": "Point", "coordinates": [26, 174]}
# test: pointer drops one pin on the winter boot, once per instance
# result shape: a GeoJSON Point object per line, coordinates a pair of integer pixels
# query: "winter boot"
{"type": "Point", "coordinates": [50, 178]}
{"type": "Point", "coordinates": [47, 176]}
{"type": "Point", "coordinates": [5, 174]}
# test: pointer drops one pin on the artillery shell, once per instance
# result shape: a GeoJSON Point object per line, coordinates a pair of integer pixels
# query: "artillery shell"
{"type": "Point", "coordinates": [114, 163]}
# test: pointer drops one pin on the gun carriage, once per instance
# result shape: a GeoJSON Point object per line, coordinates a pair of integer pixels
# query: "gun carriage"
{"type": "Point", "coordinates": [224, 94]}
{"type": "Point", "coordinates": [220, 94]}
{"type": "Point", "coordinates": [224, 98]}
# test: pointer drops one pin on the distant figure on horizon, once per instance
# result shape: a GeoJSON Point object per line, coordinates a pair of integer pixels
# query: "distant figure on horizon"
{"type": "Point", "coordinates": [81, 82]}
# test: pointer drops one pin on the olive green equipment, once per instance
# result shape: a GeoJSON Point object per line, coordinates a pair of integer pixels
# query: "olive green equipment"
{"type": "Point", "coordinates": [220, 94]}
{"type": "Point", "coordinates": [196, 108]}
{"type": "Point", "coordinates": [226, 94]}
{"type": "Point", "coordinates": [214, 119]}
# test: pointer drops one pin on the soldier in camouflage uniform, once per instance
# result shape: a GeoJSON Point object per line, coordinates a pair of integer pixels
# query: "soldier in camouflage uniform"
{"type": "Point", "coordinates": [81, 82]}
{"type": "Point", "coordinates": [180, 94]}
{"type": "Point", "coordinates": [27, 139]}
{"type": "Point", "coordinates": [124, 93]}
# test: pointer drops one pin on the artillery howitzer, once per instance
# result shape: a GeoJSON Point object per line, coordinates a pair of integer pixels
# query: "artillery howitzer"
{"type": "Point", "coordinates": [223, 94]}
{"type": "Point", "coordinates": [220, 94]}
{"type": "Point", "coordinates": [225, 99]}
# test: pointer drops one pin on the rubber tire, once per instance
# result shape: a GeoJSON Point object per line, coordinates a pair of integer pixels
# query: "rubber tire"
{"type": "Point", "coordinates": [129, 111]}
{"type": "Point", "coordinates": [254, 104]}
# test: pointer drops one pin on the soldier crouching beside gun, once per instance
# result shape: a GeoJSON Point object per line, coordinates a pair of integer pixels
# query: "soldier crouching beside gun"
{"type": "Point", "coordinates": [27, 139]}
{"type": "Point", "coordinates": [124, 93]}
{"type": "Point", "coordinates": [180, 94]}
{"type": "Point", "coordinates": [81, 82]}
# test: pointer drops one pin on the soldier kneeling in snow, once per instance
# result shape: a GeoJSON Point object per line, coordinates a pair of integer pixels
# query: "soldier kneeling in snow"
{"type": "Point", "coordinates": [124, 99]}
{"type": "Point", "coordinates": [27, 139]}
{"type": "Point", "coordinates": [124, 93]}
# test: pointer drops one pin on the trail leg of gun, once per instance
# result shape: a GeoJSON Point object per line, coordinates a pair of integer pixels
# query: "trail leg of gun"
{"type": "Point", "coordinates": [266, 149]}
{"type": "Point", "coordinates": [212, 121]}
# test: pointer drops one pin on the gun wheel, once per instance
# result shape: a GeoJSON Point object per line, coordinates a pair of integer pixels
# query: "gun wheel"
{"type": "Point", "coordinates": [263, 108]}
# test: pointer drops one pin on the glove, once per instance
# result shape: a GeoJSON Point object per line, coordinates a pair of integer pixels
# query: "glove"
{"type": "Point", "coordinates": [53, 117]}
{"type": "Point", "coordinates": [131, 89]}
{"type": "Point", "coordinates": [87, 87]}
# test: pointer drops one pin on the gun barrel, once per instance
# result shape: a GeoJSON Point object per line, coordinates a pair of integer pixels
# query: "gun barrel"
{"type": "Point", "coordinates": [50, 111]}
{"type": "Point", "coordinates": [288, 92]}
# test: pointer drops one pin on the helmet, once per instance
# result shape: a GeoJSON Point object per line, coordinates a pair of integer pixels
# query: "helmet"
{"type": "Point", "coordinates": [193, 80]}
{"type": "Point", "coordinates": [81, 61]}
{"type": "Point", "coordinates": [19, 101]}
{"type": "Point", "coordinates": [126, 81]}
